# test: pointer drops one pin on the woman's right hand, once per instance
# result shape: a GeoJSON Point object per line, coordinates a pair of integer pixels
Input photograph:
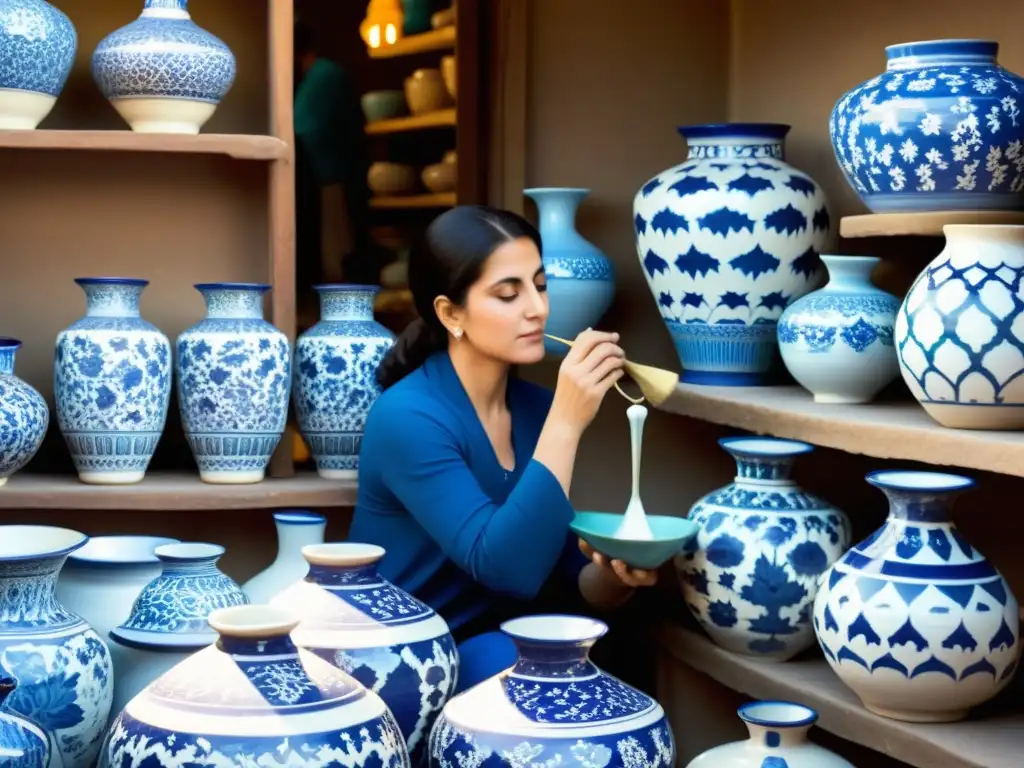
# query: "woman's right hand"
{"type": "Point", "coordinates": [591, 368]}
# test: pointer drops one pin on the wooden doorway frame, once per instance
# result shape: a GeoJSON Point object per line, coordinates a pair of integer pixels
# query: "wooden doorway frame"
{"type": "Point", "coordinates": [508, 73]}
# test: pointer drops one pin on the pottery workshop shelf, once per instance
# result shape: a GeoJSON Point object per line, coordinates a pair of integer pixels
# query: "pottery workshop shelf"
{"type": "Point", "coordinates": [435, 40]}
{"type": "Point", "coordinates": [924, 224]}
{"type": "Point", "coordinates": [438, 119]}
{"type": "Point", "coordinates": [440, 200]}
{"type": "Point", "coordinates": [240, 146]}
{"type": "Point", "coordinates": [994, 740]}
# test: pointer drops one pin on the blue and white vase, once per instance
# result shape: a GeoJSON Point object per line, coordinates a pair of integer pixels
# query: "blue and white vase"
{"type": "Point", "coordinates": [61, 665]}
{"type": "Point", "coordinates": [296, 528]}
{"type": "Point", "coordinates": [234, 373]}
{"type": "Point", "coordinates": [751, 575]}
{"type": "Point", "coordinates": [392, 643]}
{"type": "Point", "coordinates": [24, 415]}
{"type": "Point", "coordinates": [727, 240]}
{"type": "Point", "coordinates": [112, 383]}
{"type": "Point", "coordinates": [335, 376]}
{"type": "Point", "coordinates": [553, 707]}
{"type": "Point", "coordinates": [23, 744]}
{"type": "Point", "coordinates": [163, 73]}
{"type": "Point", "coordinates": [837, 342]}
{"type": "Point", "coordinates": [914, 619]}
{"type": "Point", "coordinates": [939, 130]}
{"type": "Point", "coordinates": [254, 699]}
{"type": "Point", "coordinates": [957, 333]}
{"type": "Point", "coordinates": [38, 43]}
{"type": "Point", "coordinates": [580, 277]}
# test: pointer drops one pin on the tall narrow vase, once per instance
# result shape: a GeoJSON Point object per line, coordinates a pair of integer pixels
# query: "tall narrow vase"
{"type": "Point", "coordinates": [23, 744]}
{"type": "Point", "coordinates": [24, 415]}
{"type": "Point", "coordinates": [336, 377]}
{"type": "Point", "coordinates": [580, 277]}
{"type": "Point", "coordinates": [234, 378]}
{"type": "Point", "coordinates": [112, 383]}
{"type": "Point", "coordinates": [296, 528]}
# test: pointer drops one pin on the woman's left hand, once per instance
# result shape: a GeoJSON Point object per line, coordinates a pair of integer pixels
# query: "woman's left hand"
{"type": "Point", "coordinates": [631, 577]}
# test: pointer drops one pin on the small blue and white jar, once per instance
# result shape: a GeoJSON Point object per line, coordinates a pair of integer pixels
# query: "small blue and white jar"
{"type": "Point", "coordinates": [163, 73]}
{"type": "Point", "coordinates": [335, 377]}
{"type": "Point", "coordinates": [234, 372]}
{"type": "Point", "coordinates": [24, 415]}
{"type": "Point", "coordinates": [751, 575]}
{"type": "Point", "coordinates": [23, 744]}
{"type": "Point", "coordinates": [837, 342]}
{"type": "Point", "coordinates": [112, 383]}
{"type": "Point", "coordinates": [38, 42]}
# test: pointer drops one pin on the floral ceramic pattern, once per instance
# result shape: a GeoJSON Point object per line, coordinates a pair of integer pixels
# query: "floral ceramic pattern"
{"type": "Point", "coordinates": [858, 335]}
{"type": "Point", "coordinates": [24, 416]}
{"type": "Point", "coordinates": [581, 699]}
{"type": "Point", "coordinates": [22, 743]}
{"type": "Point", "coordinates": [38, 43]}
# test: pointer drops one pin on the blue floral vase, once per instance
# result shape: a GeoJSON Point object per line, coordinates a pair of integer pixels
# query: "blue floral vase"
{"type": "Point", "coordinates": [38, 42]}
{"type": "Point", "coordinates": [336, 377]}
{"type": "Point", "coordinates": [580, 277]}
{"type": "Point", "coordinates": [837, 342]}
{"type": "Point", "coordinates": [163, 73]}
{"type": "Point", "coordinates": [112, 383]}
{"type": "Point", "coordinates": [554, 707]}
{"type": "Point", "coordinates": [392, 643]}
{"type": "Point", "coordinates": [234, 372]}
{"type": "Point", "coordinates": [62, 667]}
{"type": "Point", "coordinates": [914, 619]}
{"type": "Point", "coordinates": [24, 415]}
{"type": "Point", "coordinates": [939, 130]}
{"type": "Point", "coordinates": [23, 744]}
{"type": "Point", "coordinates": [727, 240]}
{"type": "Point", "coordinates": [254, 699]}
{"type": "Point", "coordinates": [751, 575]}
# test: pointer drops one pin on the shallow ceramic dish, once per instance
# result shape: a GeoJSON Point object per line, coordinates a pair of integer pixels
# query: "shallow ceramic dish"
{"type": "Point", "coordinates": [671, 535]}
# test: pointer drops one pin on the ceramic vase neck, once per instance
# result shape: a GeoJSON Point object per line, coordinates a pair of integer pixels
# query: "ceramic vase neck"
{"type": "Point", "coordinates": [556, 209]}
{"type": "Point", "coordinates": [189, 559]}
{"type": "Point", "coordinates": [777, 724]}
{"type": "Point", "coordinates": [257, 646]}
{"type": "Point", "coordinates": [849, 273]}
{"type": "Point", "coordinates": [165, 9]}
{"type": "Point", "coordinates": [347, 302]}
{"type": "Point", "coordinates": [226, 301]}
{"type": "Point", "coordinates": [773, 736]}
{"type": "Point", "coordinates": [339, 575]}
{"type": "Point", "coordinates": [112, 297]}
{"type": "Point", "coordinates": [763, 460]}
{"type": "Point", "coordinates": [920, 506]}
{"type": "Point", "coordinates": [938, 53]}
{"type": "Point", "coordinates": [735, 140]}
{"type": "Point", "coordinates": [8, 351]}
{"type": "Point", "coordinates": [554, 661]}
{"type": "Point", "coordinates": [297, 529]}
{"type": "Point", "coordinates": [28, 594]}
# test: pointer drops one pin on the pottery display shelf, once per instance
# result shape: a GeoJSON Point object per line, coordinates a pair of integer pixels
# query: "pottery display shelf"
{"type": "Point", "coordinates": [927, 224]}
{"type": "Point", "coordinates": [439, 200]}
{"type": "Point", "coordinates": [238, 146]}
{"type": "Point", "coordinates": [440, 119]}
{"type": "Point", "coordinates": [434, 40]}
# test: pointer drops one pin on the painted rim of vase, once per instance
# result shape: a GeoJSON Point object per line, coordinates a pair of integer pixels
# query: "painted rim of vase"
{"type": "Point", "coordinates": [981, 46]}
{"type": "Point", "coordinates": [839, 258]}
{"type": "Point", "coordinates": [919, 480]}
{"type": "Point", "coordinates": [342, 554]}
{"type": "Point", "coordinates": [773, 131]}
{"type": "Point", "coordinates": [342, 287]}
{"type": "Point", "coordinates": [555, 629]}
{"type": "Point", "coordinates": [261, 287]}
{"type": "Point", "coordinates": [299, 517]}
{"type": "Point", "coordinates": [66, 541]}
{"type": "Point", "coordinates": [800, 715]}
{"type": "Point", "coordinates": [188, 552]}
{"type": "Point", "coordinates": [765, 447]}
{"type": "Point", "coordinates": [253, 621]}
{"type": "Point", "coordinates": [102, 555]}
{"type": "Point", "coordinates": [8, 343]}
{"type": "Point", "coordinates": [134, 282]}
{"type": "Point", "coordinates": [557, 190]}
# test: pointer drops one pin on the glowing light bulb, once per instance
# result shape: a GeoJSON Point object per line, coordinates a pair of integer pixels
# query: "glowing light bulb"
{"type": "Point", "coordinates": [383, 23]}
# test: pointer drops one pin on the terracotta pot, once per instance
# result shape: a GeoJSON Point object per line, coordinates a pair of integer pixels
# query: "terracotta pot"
{"type": "Point", "coordinates": [425, 91]}
{"type": "Point", "coordinates": [441, 177]}
{"type": "Point", "coordinates": [391, 178]}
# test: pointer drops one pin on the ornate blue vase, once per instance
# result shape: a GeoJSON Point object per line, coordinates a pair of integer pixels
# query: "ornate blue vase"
{"type": "Point", "coordinates": [580, 278]}
{"type": "Point", "coordinates": [162, 72]}
{"type": "Point", "coordinates": [336, 377]}
{"type": "Point", "coordinates": [24, 415]}
{"type": "Point", "coordinates": [553, 707]}
{"type": "Point", "coordinates": [112, 383]}
{"type": "Point", "coordinates": [751, 575]}
{"type": "Point", "coordinates": [234, 372]}
{"type": "Point", "coordinates": [62, 667]}
{"type": "Point", "coordinates": [38, 43]}
{"type": "Point", "coordinates": [254, 699]}
{"type": "Point", "coordinates": [23, 744]}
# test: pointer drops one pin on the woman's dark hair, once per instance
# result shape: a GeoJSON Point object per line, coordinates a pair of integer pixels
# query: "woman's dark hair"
{"type": "Point", "coordinates": [456, 246]}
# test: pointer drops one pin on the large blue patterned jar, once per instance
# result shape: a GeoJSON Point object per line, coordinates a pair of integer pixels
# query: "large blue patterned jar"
{"type": "Point", "coordinates": [234, 373]}
{"type": "Point", "coordinates": [336, 377]}
{"type": "Point", "coordinates": [914, 619]}
{"type": "Point", "coordinates": [939, 130]}
{"type": "Point", "coordinates": [163, 73]}
{"type": "Point", "coordinates": [388, 640]}
{"type": "Point", "coordinates": [38, 44]}
{"type": "Point", "coordinates": [23, 744]}
{"type": "Point", "coordinates": [112, 383]}
{"type": "Point", "coordinates": [554, 707]}
{"type": "Point", "coordinates": [61, 666]}
{"type": "Point", "coordinates": [24, 415]}
{"type": "Point", "coordinates": [727, 240]}
{"type": "Point", "coordinates": [254, 699]}
{"type": "Point", "coordinates": [751, 576]}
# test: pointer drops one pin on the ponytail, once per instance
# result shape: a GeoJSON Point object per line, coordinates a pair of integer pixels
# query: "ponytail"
{"type": "Point", "coordinates": [414, 345]}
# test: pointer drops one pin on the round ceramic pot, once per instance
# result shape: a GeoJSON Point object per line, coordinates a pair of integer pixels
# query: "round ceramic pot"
{"type": "Point", "coordinates": [914, 619]}
{"type": "Point", "coordinates": [425, 92]}
{"type": "Point", "coordinates": [296, 528]}
{"type": "Point", "coordinates": [751, 575]}
{"type": "Point", "coordinates": [837, 342]}
{"type": "Point", "coordinates": [62, 666]}
{"type": "Point", "coordinates": [388, 640]}
{"type": "Point", "coordinates": [162, 72]}
{"type": "Point", "coordinates": [23, 744]}
{"type": "Point", "coordinates": [939, 130]}
{"type": "Point", "coordinates": [335, 375]}
{"type": "Point", "coordinates": [955, 332]}
{"type": "Point", "coordinates": [254, 699]}
{"type": "Point", "coordinates": [553, 707]}
{"type": "Point", "coordinates": [24, 415]}
{"type": "Point", "coordinates": [234, 373]}
{"type": "Point", "coordinates": [580, 277]}
{"type": "Point", "coordinates": [38, 43]}
{"type": "Point", "coordinates": [726, 240]}
{"type": "Point", "coordinates": [112, 383]}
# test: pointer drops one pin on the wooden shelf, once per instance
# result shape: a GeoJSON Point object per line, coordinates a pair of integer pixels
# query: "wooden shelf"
{"type": "Point", "coordinates": [179, 491]}
{"type": "Point", "coordinates": [243, 147]}
{"type": "Point", "coordinates": [441, 200]}
{"type": "Point", "coordinates": [925, 224]}
{"type": "Point", "coordinates": [439, 119]}
{"type": "Point", "coordinates": [993, 738]}
{"type": "Point", "coordinates": [435, 40]}
{"type": "Point", "coordinates": [886, 430]}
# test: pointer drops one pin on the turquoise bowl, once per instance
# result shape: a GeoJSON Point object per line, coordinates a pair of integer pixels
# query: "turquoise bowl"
{"type": "Point", "coordinates": [671, 535]}
{"type": "Point", "coordinates": [382, 105]}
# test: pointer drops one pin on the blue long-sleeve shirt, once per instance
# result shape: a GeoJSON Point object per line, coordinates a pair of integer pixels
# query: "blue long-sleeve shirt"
{"type": "Point", "coordinates": [461, 533]}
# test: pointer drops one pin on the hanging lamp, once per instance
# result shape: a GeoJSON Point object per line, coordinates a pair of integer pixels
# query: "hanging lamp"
{"type": "Point", "coordinates": [383, 23]}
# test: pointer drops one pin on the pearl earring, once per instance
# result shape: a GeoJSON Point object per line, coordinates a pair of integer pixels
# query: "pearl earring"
{"type": "Point", "coordinates": [457, 333]}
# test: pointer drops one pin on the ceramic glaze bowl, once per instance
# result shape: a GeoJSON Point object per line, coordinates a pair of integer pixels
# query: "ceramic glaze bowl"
{"type": "Point", "coordinates": [671, 535]}
{"type": "Point", "coordinates": [382, 105]}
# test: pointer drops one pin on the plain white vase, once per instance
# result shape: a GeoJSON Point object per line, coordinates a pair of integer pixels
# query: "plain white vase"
{"type": "Point", "coordinates": [295, 529]}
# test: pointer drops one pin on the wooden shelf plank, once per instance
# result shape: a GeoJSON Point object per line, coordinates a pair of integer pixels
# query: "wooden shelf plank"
{"type": "Point", "coordinates": [441, 200]}
{"type": "Point", "coordinates": [439, 119]}
{"type": "Point", "coordinates": [885, 430]}
{"type": "Point", "coordinates": [992, 738]}
{"type": "Point", "coordinates": [928, 224]}
{"type": "Point", "coordinates": [434, 40]}
{"type": "Point", "coordinates": [241, 146]}
{"type": "Point", "coordinates": [178, 491]}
